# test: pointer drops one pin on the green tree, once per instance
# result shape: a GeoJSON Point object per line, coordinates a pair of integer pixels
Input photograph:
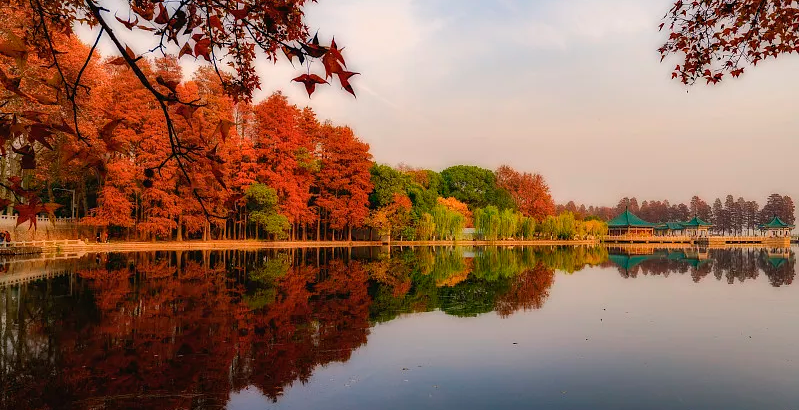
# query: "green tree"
{"type": "Point", "coordinates": [508, 223]}
{"type": "Point", "coordinates": [549, 227]}
{"type": "Point", "coordinates": [486, 222]}
{"type": "Point", "coordinates": [425, 227]}
{"type": "Point", "coordinates": [527, 227]}
{"type": "Point", "coordinates": [472, 185]}
{"type": "Point", "coordinates": [567, 226]}
{"type": "Point", "coordinates": [262, 206]}
{"type": "Point", "coordinates": [387, 181]}
{"type": "Point", "coordinates": [423, 199]}
{"type": "Point", "coordinates": [448, 224]}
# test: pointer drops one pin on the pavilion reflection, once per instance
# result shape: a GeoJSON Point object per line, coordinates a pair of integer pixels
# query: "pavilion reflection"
{"type": "Point", "coordinates": [730, 264]}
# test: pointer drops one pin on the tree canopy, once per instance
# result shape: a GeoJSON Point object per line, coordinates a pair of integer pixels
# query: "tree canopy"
{"type": "Point", "coordinates": [52, 88]}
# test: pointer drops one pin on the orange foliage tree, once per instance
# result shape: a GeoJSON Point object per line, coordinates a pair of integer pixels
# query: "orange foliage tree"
{"type": "Point", "coordinates": [454, 205]}
{"type": "Point", "coordinates": [344, 181]}
{"type": "Point", "coordinates": [530, 192]}
{"type": "Point", "coordinates": [53, 106]}
{"type": "Point", "coordinates": [284, 156]}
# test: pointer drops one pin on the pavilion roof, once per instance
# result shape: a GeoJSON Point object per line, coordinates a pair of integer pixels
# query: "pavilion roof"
{"type": "Point", "coordinates": [696, 222]}
{"type": "Point", "coordinates": [674, 226]}
{"type": "Point", "coordinates": [628, 219]}
{"type": "Point", "coordinates": [776, 223]}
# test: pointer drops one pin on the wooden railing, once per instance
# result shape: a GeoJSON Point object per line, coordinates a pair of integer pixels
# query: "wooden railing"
{"type": "Point", "coordinates": [713, 240]}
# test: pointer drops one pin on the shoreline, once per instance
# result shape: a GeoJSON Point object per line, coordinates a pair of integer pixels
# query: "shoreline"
{"type": "Point", "coordinates": [256, 244]}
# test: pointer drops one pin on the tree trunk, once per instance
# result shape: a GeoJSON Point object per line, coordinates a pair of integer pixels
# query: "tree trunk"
{"type": "Point", "coordinates": [180, 229]}
{"type": "Point", "coordinates": [85, 197]}
{"type": "Point", "coordinates": [50, 192]}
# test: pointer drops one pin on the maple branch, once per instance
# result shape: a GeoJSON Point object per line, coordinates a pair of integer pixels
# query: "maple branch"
{"type": "Point", "coordinates": [174, 142]}
{"type": "Point", "coordinates": [36, 5]}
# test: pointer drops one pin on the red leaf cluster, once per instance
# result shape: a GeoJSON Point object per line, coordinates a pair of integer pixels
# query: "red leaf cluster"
{"type": "Point", "coordinates": [717, 37]}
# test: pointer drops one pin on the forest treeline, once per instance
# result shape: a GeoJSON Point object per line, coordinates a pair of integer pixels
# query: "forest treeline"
{"type": "Point", "coordinates": [275, 170]}
{"type": "Point", "coordinates": [730, 216]}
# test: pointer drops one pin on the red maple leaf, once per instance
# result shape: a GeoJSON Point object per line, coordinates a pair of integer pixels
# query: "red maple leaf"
{"type": "Point", "coordinates": [344, 79]}
{"type": "Point", "coordinates": [310, 81]}
{"type": "Point", "coordinates": [27, 212]}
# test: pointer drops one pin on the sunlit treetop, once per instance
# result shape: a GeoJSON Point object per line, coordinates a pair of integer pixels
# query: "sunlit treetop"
{"type": "Point", "coordinates": [719, 37]}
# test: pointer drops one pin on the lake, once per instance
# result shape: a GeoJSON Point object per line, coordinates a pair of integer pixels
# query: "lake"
{"type": "Point", "coordinates": [401, 328]}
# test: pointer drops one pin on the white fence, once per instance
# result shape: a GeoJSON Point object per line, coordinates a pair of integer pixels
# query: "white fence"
{"type": "Point", "coordinates": [42, 219]}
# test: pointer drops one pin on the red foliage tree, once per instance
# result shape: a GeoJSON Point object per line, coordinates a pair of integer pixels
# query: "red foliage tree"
{"type": "Point", "coordinates": [225, 34]}
{"type": "Point", "coordinates": [285, 157]}
{"type": "Point", "coordinates": [344, 181]}
{"type": "Point", "coordinates": [530, 192]}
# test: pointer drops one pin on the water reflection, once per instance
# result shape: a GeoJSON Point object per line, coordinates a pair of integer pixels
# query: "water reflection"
{"type": "Point", "coordinates": [739, 264]}
{"type": "Point", "coordinates": [174, 330]}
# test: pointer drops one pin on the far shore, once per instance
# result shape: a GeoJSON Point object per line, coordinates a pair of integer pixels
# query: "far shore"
{"type": "Point", "coordinates": [256, 244]}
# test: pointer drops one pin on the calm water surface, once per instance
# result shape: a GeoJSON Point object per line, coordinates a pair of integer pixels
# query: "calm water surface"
{"type": "Point", "coordinates": [440, 328]}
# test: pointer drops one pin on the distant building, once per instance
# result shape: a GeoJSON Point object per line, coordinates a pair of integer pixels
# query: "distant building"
{"type": "Point", "coordinates": [670, 229]}
{"type": "Point", "coordinates": [697, 228]}
{"type": "Point", "coordinates": [627, 224]}
{"type": "Point", "coordinates": [776, 228]}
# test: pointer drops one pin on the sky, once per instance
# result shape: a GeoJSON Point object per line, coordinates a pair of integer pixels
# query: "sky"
{"type": "Point", "coordinates": [572, 90]}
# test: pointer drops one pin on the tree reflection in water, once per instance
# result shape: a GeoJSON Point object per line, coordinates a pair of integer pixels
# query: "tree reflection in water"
{"type": "Point", "coordinates": [185, 329]}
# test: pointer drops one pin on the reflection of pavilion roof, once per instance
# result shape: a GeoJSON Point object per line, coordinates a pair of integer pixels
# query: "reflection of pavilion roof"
{"type": "Point", "coordinates": [776, 223]}
{"type": "Point", "coordinates": [628, 262]}
{"type": "Point", "coordinates": [676, 255]}
{"type": "Point", "coordinates": [695, 262]}
{"type": "Point", "coordinates": [696, 223]}
{"type": "Point", "coordinates": [777, 261]}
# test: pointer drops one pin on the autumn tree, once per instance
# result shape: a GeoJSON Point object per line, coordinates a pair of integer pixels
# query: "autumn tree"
{"type": "Point", "coordinates": [344, 180]}
{"type": "Point", "coordinates": [284, 157]}
{"type": "Point", "coordinates": [530, 193]}
{"type": "Point", "coordinates": [457, 206]}
{"type": "Point", "coordinates": [700, 208]}
{"type": "Point", "coordinates": [779, 206]}
{"type": "Point", "coordinates": [225, 35]}
{"type": "Point", "coordinates": [393, 219]}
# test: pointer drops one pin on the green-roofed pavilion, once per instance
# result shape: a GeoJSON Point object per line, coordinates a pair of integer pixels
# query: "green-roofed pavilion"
{"type": "Point", "coordinates": [777, 228]}
{"type": "Point", "coordinates": [629, 224]}
{"type": "Point", "coordinates": [670, 229]}
{"type": "Point", "coordinates": [696, 227]}
{"type": "Point", "coordinates": [696, 222]}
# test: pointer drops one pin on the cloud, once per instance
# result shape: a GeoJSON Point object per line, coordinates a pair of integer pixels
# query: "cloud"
{"type": "Point", "coordinates": [562, 24]}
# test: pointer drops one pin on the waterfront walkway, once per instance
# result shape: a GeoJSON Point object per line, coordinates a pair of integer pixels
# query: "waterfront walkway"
{"type": "Point", "coordinates": [776, 241]}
